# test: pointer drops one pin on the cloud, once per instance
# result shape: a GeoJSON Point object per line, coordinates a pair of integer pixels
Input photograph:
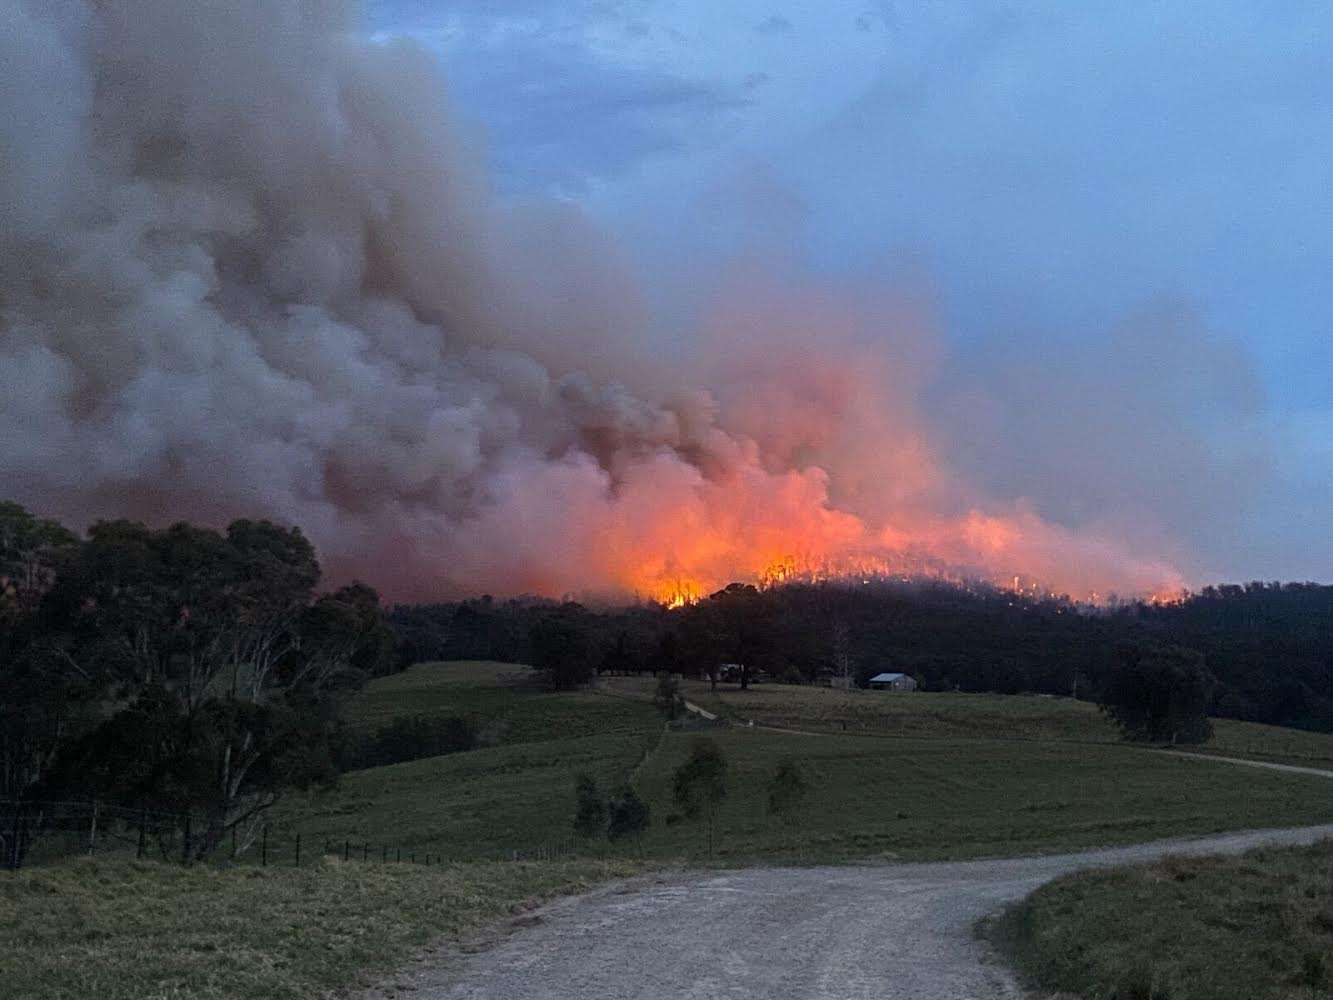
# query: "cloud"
{"type": "Point", "coordinates": [564, 106]}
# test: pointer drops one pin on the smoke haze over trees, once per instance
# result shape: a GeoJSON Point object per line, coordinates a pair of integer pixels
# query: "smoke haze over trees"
{"type": "Point", "coordinates": [253, 270]}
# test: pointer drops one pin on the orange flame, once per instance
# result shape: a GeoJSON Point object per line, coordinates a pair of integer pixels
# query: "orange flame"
{"type": "Point", "coordinates": [715, 537]}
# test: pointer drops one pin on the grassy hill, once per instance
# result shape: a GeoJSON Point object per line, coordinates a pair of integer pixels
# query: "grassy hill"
{"type": "Point", "coordinates": [964, 775]}
{"type": "Point", "coordinates": [939, 798]}
{"type": "Point", "coordinates": [969, 716]}
{"type": "Point", "coordinates": [504, 699]}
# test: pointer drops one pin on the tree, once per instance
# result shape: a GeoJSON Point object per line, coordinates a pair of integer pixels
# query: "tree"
{"type": "Point", "coordinates": [786, 790]}
{"type": "Point", "coordinates": [667, 696]}
{"type": "Point", "coordinates": [561, 649]}
{"type": "Point", "coordinates": [699, 785]}
{"type": "Point", "coordinates": [1159, 693]}
{"type": "Point", "coordinates": [628, 815]}
{"type": "Point", "coordinates": [210, 672]}
{"type": "Point", "coordinates": [31, 553]}
{"type": "Point", "coordinates": [742, 625]}
{"type": "Point", "coordinates": [43, 694]}
{"type": "Point", "coordinates": [590, 812]}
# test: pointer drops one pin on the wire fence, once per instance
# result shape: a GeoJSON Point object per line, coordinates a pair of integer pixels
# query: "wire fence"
{"type": "Point", "coordinates": [43, 832]}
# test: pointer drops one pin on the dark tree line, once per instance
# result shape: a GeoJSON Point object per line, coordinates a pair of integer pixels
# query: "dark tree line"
{"type": "Point", "coordinates": [1267, 647]}
{"type": "Point", "coordinates": [179, 670]}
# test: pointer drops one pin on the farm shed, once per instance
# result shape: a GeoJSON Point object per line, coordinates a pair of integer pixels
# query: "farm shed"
{"type": "Point", "coordinates": [893, 682]}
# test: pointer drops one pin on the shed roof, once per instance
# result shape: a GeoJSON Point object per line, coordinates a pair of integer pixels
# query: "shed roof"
{"type": "Point", "coordinates": [886, 677]}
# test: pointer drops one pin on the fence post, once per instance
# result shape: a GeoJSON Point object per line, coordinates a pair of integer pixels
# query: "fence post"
{"type": "Point", "coordinates": [92, 831]}
{"type": "Point", "coordinates": [143, 831]}
{"type": "Point", "coordinates": [400, 854]}
{"type": "Point", "coordinates": [18, 833]}
{"type": "Point", "coordinates": [298, 850]}
{"type": "Point", "coordinates": [347, 849]}
{"type": "Point", "coordinates": [263, 847]}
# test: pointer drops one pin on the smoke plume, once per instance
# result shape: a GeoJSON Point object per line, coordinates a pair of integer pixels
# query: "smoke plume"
{"type": "Point", "coordinates": [249, 266]}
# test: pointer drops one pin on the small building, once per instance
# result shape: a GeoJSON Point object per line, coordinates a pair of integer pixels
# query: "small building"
{"type": "Point", "coordinates": [893, 682]}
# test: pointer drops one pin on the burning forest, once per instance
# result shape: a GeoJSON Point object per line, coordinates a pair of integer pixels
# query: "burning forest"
{"type": "Point", "coordinates": [253, 269]}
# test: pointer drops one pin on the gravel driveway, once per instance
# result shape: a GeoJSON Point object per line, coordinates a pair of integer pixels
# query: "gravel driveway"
{"type": "Point", "coordinates": [896, 931]}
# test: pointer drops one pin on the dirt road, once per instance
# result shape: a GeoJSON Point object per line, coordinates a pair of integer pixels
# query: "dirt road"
{"type": "Point", "coordinates": [899, 931]}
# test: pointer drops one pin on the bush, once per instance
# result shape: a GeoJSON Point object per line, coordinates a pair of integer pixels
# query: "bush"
{"type": "Point", "coordinates": [667, 696]}
{"type": "Point", "coordinates": [590, 813]}
{"type": "Point", "coordinates": [700, 784]}
{"type": "Point", "coordinates": [1160, 694]}
{"type": "Point", "coordinates": [786, 791]}
{"type": "Point", "coordinates": [628, 814]}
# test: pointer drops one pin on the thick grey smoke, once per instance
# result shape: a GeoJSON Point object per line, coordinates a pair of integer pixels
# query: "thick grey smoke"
{"type": "Point", "coordinates": [249, 267]}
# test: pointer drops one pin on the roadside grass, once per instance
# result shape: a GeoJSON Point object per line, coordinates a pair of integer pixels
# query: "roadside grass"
{"type": "Point", "coordinates": [130, 931]}
{"type": "Point", "coordinates": [504, 699]}
{"type": "Point", "coordinates": [927, 799]}
{"type": "Point", "coordinates": [1255, 927]}
{"type": "Point", "coordinates": [478, 804]}
{"type": "Point", "coordinates": [946, 715]}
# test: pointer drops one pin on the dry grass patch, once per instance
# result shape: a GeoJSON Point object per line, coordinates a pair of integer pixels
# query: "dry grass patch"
{"type": "Point", "coordinates": [128, 931]}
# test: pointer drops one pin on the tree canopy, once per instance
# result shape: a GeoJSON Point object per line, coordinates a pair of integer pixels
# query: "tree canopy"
{"type": "Point", "coordinates": [1160, 694]}
{"type": "Point", "coordinates": [181, 669]}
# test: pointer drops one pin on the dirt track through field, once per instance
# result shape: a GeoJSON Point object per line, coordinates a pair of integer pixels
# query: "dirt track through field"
{"type": "Point", "coordinates": [832, 933]}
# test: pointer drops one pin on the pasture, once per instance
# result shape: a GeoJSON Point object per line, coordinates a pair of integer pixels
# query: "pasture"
{"type": "Point", "coordinates": [947, 715]}
{"type": "Point", "coordinates": [1255, 927]}
{"type": "Point", "coordinates": [917, 799]}
{"type": "Point", "coordinates": [964, 775]}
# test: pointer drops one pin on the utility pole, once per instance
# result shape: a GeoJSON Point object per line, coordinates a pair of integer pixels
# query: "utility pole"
{"type": "Point", "coordinates": [842, 663]}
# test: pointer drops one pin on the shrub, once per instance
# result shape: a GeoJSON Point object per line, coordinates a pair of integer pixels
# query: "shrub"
{"type": "Point", "coordinates": [590, 813]}
{"type": "Point", "coordinates": [628, 814]}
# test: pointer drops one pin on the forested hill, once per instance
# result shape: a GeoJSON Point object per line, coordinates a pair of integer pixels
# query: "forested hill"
{"type": "Point", "coordinates": [1269, 646]}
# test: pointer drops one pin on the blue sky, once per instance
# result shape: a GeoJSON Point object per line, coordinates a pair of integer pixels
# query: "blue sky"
{"type": "Point", "coordinates": [1054, 169]}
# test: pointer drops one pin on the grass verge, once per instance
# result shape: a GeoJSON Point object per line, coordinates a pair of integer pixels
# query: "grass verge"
{"type": "Point", "coordinates": [1255, 927]}
{"type": "Point", "coordinates": [129, 931]}
{"type": "Point", "coordinates": [927, 799]}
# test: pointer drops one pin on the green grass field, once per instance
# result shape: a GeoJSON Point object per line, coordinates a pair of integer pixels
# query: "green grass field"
{"type": "Point", "coordinates": [504, 699]}
{"type": "Point", "coordinates": [480, 804]}
{"type": "Point", "coordinates": [127, 931]}
{"type": "Point", "coordinates": [920, 799]}
{"type": "Point", "coordinates": [923, 715]}
{"type": "Point", "coordinates": [1257, 927]}
{"type": "Point", "coordinates": [968, 775]}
